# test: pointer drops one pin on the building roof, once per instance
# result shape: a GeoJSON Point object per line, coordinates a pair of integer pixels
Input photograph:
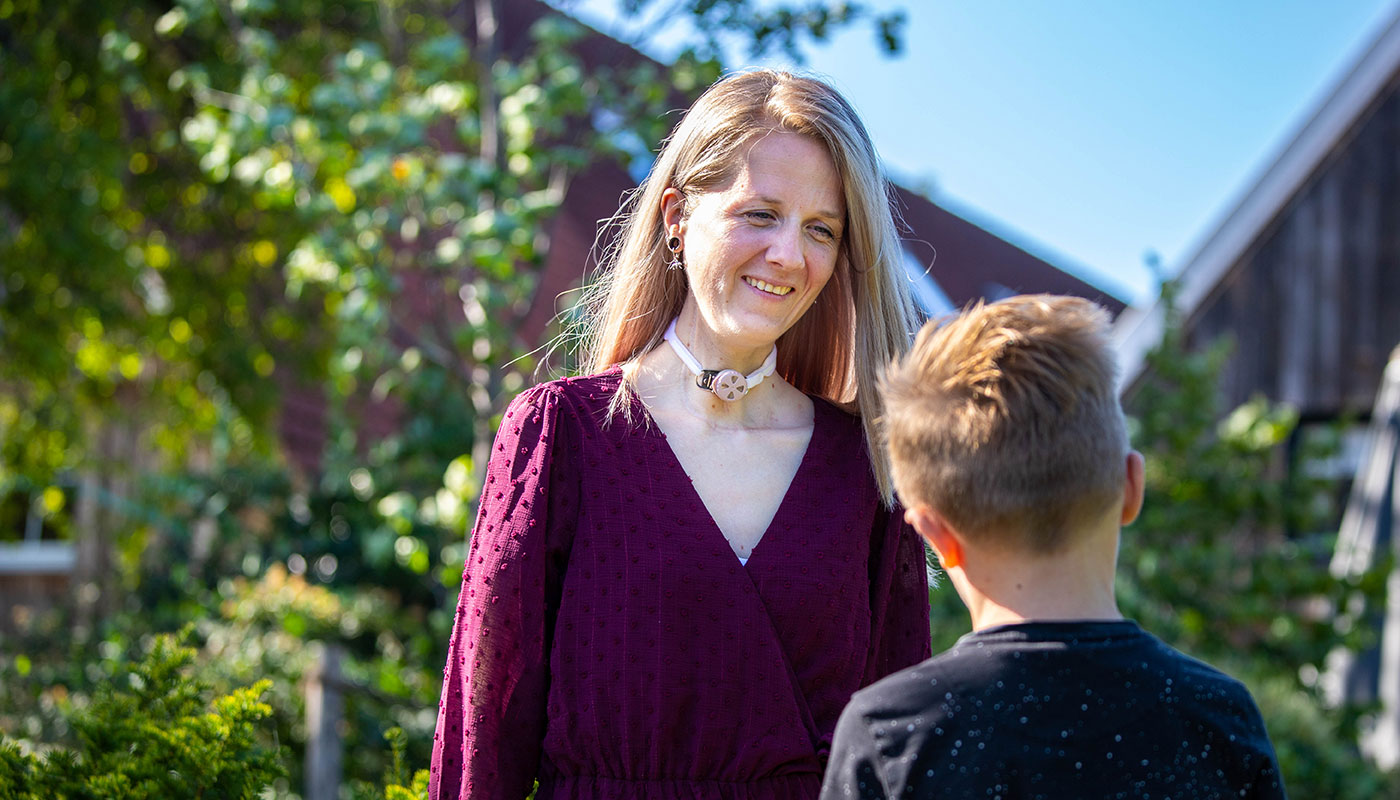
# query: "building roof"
{"type": "Point", "coordinates": [1325, 132]}
{"type": "Point", "coordinates": [969, 262]}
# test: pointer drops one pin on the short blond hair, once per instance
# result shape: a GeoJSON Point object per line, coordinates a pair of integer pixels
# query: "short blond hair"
{"type": "Point", "coordinates": [1005, 419]}
{"type": "Point", "coordinates": [863, 317]}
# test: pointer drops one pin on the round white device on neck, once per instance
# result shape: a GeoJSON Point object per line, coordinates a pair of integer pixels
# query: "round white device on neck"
{"type": "Point", "coordinates": [727, 384]}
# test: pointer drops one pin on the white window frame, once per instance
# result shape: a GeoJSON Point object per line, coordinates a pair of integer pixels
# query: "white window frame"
{"type": "Point", "coordinates": [34, 556]}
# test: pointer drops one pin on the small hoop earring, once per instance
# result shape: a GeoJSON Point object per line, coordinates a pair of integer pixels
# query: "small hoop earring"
{"type": "Point", "coordinates": [674, 245]}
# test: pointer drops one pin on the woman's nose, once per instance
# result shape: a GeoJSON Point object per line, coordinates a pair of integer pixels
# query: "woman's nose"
{"type": "Point", "coordinates": [785, 250]}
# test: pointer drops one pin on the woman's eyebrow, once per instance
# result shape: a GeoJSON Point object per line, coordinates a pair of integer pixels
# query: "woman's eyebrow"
{"type": "Point", "coordinates": [821, 213]}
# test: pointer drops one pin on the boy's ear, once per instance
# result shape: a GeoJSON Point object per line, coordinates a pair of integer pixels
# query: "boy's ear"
{"type": "Point", "coordinates": [1133, 487]}
{"type": "Point", "coordinates": [937, 532]}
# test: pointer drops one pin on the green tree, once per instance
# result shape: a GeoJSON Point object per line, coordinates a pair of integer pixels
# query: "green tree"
{"type": "Point", "coordinates": [1211, 565]}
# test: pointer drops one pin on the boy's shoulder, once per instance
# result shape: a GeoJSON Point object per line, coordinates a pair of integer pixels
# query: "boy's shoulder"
{"type": "Point", "coordinates": [1057, 704]}
{"type": "Point", "coordinates": [1107, 658]}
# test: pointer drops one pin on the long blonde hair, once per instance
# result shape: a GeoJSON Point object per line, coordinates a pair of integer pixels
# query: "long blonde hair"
{"type": "Point", "coordinates": [863, 318]}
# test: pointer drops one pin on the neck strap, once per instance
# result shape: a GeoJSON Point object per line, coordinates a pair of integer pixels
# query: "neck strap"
{"type": "Point", "coordinates": [727, 384]}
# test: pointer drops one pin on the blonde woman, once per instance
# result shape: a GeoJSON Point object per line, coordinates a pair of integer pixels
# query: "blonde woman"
{"type": "Point", "coordinates": [687, 560]}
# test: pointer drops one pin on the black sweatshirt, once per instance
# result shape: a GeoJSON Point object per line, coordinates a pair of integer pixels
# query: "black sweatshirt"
{"type": "Point", "coordinates": [1054, 710]}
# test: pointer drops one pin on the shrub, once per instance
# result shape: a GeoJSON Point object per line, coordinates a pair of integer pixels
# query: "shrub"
{"type": "Point", "coordinates": [151, 735]}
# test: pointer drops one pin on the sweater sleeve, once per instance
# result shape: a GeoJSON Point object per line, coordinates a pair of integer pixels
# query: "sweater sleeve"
{"type": "Point", "coordinates": [1266, 782]}
{"type": "Point", "coordinates": [491, 718]}
{"type": "Point", "coordinates": [854, 771]}
{"type": "Point", "coordinates": [899, 606]}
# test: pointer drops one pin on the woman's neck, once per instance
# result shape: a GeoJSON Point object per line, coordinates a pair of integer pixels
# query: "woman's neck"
{"type": "Point", "coordinates": [714, 351]}
{"type": "Point", "coordinates": [667, 386]}
{"type": "Point", "coordinates": [665, 380]}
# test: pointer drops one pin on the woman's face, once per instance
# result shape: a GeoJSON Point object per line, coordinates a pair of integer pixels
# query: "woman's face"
{"type": "Point", "coordinates": [759, 249]}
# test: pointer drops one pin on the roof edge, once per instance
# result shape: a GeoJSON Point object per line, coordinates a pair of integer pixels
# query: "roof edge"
{"type": "Point", "coordinates": [1030, 245]}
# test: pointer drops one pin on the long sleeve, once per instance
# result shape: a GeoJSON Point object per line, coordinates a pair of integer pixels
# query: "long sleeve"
{"type": "Point", "coordinates": [853, 772]}
{"type": "Point", "coordinates": [491, 719]}
{"type": "Point", "coordinates": [899, 624]}
{"type": "Point", "coordinates": [1266, 782]}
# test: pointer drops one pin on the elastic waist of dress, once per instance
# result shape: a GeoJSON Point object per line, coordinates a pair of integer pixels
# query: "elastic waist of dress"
{"type": "Point", "coordinates": [802, 786]}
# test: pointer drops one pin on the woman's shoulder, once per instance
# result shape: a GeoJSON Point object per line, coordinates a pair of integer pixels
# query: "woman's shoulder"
{"type": "Point", "coordinates": [837, 416]}
{"type": "Point", "coordinates": [838, 435]}
{"type": "Point", "coordinates": [582, 395]}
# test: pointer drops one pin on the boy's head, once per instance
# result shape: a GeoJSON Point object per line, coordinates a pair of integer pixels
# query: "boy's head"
{"type": "Point", "coordinates": [1005, 420]}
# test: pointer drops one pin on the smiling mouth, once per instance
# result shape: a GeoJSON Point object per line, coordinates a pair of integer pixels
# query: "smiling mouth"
{"type": "Point", "coordinates": [764, 286]}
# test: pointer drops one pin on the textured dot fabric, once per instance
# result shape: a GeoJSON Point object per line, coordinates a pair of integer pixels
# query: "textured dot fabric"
{"type": "Point", "coordinates": [1050, 710]}
{"type": "Point", "coordinates": [609, 643]}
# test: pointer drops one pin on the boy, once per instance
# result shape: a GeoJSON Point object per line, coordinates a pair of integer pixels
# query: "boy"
{"type": "Point", "coordinates": [1010, 453]}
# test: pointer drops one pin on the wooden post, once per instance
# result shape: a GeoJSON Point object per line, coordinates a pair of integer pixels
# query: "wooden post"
{"type": "Point", "coordinates": [1366, 537]}
{"type": "Point", "coordinates": [324, 709]}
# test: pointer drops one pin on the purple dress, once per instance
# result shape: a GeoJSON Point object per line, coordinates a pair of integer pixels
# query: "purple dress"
{"type": "Point", "coordinates": [609, 643]}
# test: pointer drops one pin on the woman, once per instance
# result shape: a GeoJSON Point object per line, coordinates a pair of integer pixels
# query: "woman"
{"type": "Point", "coordinates": [686, 562]}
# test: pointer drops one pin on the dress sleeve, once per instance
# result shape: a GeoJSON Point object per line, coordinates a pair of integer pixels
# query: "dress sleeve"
{"type": "Point", "coordinates": [899, 624]}
{"type": "Point", "coordinates": [491, 719]}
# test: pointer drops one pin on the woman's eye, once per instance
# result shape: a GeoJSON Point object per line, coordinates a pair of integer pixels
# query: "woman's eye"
{"type": "Point", "coordinates": [762, 216]}
{"type": "Point", "coordinates": [824, 232]}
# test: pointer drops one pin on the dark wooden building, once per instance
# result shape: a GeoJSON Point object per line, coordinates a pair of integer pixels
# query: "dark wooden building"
{"type": "Point", "coordinates": [1304, 273]}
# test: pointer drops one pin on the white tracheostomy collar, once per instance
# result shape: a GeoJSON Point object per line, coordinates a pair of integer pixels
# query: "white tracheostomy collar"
{"type": "Point", "coordinates": [726, 384]}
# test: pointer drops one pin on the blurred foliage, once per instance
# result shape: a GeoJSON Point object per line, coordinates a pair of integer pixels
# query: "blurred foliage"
{"type": "Point", "coordinates": [1316, 745]}
{"type": "Point", "coordinates": [1225, 561]}
{"type": "Point", "coordinates": [273, 629]}
{"type": "Point", "coordinates": [228, 226]}
{"type": "Point", "coordinates": [149, 734]}
{"type": "Point", "coordinates": [398, 785]}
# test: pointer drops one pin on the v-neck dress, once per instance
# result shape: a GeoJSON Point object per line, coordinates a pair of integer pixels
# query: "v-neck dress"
{"type": "Point", "coordinates": [609, 643]}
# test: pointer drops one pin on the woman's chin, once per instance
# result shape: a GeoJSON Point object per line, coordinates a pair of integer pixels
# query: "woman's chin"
{"type": "Point", "coordinates": [760, 329]}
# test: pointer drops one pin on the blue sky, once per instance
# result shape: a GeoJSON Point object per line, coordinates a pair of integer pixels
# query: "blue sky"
{"type": "Point", "coordinates": [1088, 132]}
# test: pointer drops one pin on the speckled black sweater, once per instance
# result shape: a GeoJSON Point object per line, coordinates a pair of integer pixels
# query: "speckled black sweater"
{"type": "Point", "coordinates": [1054, 710]}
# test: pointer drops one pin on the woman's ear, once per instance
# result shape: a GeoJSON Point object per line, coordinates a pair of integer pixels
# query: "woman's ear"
{"type": "Point", "coordinates": [673, 211]}
{"type": "Point", "coordinates": [940, 536]}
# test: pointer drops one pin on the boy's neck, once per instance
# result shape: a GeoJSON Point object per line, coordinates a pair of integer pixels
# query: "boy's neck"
{"type": "Point", "coordinates": [1075, 584]}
